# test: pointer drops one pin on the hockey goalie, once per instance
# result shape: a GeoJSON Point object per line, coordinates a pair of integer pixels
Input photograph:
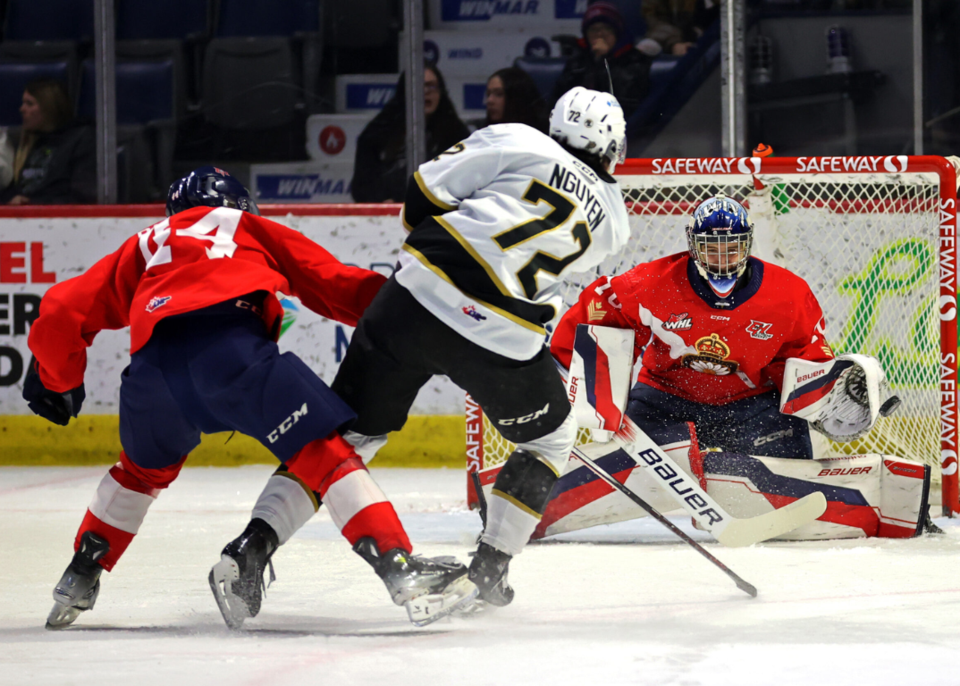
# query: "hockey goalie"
{"type": "Point", "coordinates": [735, 371]}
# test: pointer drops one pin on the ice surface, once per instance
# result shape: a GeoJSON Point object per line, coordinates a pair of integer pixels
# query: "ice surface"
{"type": "Point", "coordinates": [625, 604]}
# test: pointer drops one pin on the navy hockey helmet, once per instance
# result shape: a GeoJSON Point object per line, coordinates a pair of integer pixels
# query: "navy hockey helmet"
{"type": "Point", "coordinates": [209, 187]}
{"type": "Point", "coordinates": [720, 237]}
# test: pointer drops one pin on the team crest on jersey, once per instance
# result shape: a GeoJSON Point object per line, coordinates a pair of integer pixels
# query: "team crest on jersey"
{"type": "Point", "coordinates": [759, 330]}
{"type": "Point", "coordinates": [711, 357]}
{"type": "Point", "coordinates": [471, 311]}
{"type": "Point", "coordinates": [595, 312]}
{"type": "Point", "coordinates": [678, 322]}
{"type": "Point", "coordinates": [158, 302]}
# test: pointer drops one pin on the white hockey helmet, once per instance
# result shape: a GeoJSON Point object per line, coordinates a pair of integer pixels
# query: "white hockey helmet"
{"type": "Point", "coordinates": [591, 121]}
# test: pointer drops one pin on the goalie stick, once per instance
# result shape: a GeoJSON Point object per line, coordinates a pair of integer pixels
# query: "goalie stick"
{"type": "Point", "coordinates": [728, 530]}
{"type": "Point", "coordinates": [743, 585]}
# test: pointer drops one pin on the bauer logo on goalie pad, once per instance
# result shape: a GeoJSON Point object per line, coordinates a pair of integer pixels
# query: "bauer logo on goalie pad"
{"type": "Point", "coordinates": [600, 375]}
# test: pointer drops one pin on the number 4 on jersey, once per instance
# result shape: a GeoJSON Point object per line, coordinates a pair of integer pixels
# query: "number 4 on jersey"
{"type": "Point", "coordinates": [218, 226]}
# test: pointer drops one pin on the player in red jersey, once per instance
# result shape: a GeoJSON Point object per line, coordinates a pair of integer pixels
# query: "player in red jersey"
{"type": "Point", "coordinates": [715, 327]}
{"type": "Point", "coordinates": [735, 346]}
{"type": "Point", "coordinates": [198, 293]}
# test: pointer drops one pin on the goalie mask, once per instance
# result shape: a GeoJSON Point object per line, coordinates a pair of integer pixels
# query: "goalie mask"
{"type": "Point", "coordinates": [720, 238]}
{"type": "Point", "coordinates": [209, 187]}
{"type": "Point", "coordinates": [593, 122]}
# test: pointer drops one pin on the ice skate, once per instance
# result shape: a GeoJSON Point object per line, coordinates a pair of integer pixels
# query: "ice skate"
{"type": "Point", "coordinates": [429, 588]}
{"type": "Point", "coordinates": [79, 586]}
{"type": "Point", "coordinates": [237, 579]}
{"type": "Point", "coordinates": [488, 571]}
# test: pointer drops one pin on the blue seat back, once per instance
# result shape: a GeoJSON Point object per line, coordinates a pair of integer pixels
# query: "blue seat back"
{"type": "Point", "coordinates": [544, 71]}
{"type": "Point", "coordinates": [49, 20]}
{"type": "Point", "coordinates": [238, 18]}
{"type": "Point", "coordinates": [145, 91]}
{"type": "Point", "coordinates": [169, 19]}
{"type": "Point", "coordinates": [14, 76]}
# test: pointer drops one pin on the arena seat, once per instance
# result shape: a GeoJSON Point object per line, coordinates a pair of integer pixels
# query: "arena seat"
{"type": "Point", "coordinates": [33, 20]}
{"type": "Point", "coordinates": [15, 75]}
{"type": "Point", "coordinates": [544, 71]}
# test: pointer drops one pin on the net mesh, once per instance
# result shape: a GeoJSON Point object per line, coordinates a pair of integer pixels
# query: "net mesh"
{"type": "Point", "coordinates": [866, 244]}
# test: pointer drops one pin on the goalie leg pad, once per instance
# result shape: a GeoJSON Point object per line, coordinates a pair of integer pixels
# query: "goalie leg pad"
{"type": "Point", "coordinates": [581, 499]}
{"type": "Point", "coordinates": [867, 495]}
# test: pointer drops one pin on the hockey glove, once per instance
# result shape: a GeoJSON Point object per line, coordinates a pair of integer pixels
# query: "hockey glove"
{"type": "Point", "coordinates": [52, 406]}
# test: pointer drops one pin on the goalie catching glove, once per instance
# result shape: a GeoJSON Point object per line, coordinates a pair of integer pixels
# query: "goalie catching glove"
{"type": "Point", "coordinates": [842, 398]}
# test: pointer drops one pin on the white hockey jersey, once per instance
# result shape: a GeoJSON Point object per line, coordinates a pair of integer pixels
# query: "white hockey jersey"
{"type": "Point", "coordinates": [513, 213]}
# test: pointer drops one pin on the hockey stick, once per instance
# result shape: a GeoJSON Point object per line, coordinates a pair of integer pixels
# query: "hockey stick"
{"type": "Point", "coordinates": [728, 530]}
{"type": "Point", "coordinates": [744, 586]}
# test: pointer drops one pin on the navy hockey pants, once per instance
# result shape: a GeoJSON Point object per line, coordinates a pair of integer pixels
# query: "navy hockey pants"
{"type": "Point", "coordinates": [752, 426]}
{"type": "Point", "coordinates": [217, 370]}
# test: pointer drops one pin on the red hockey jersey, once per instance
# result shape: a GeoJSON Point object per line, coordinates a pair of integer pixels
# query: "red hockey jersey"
{"type": "Point", "coordinates": [186, 262]}
{"type": "Point", "coordinates": [696, 345]}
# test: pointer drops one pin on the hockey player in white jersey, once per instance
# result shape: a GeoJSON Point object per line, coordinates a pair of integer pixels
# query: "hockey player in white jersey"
{"type": "Point", "coordinates": [495, 223]}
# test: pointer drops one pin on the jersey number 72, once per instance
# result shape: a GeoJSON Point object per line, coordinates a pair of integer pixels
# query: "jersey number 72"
{"type": "Point", "coordinates": [537, 193]}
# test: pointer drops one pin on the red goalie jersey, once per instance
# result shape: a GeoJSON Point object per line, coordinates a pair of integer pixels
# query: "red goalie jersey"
{"type": "Point", "coordinates": [698, 346]}
{"type": "Point", "coordinates": [192, 260]}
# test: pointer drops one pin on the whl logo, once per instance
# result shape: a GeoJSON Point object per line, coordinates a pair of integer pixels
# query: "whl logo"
{"type": "Point", "coordinates": [332, 140]}
{"type": "Point", "coordinates": [287, 424]}
{"type": "Point", "coordinates": [678, 322]}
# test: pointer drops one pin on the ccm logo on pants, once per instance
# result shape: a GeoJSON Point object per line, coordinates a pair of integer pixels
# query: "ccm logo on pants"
{"type": "Point", "coordinates": [285, 425]}
{"type": "Point", "coordinates": [524, 419]}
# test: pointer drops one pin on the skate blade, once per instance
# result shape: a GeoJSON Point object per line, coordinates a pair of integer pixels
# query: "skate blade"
{"type": "Point", "coordinates": [62, 616]}
{"type": "Point", "coordinates": [457, 599]}
{"type": "Point", "coordinates": [223, 574]}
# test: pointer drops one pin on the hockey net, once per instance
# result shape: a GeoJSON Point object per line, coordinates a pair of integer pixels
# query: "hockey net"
{"type": "Point", "coordinates": [875, 239]}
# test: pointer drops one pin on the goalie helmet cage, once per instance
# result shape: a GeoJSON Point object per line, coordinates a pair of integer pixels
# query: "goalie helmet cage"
{"type": "Point", "coordinates": [874, 236]}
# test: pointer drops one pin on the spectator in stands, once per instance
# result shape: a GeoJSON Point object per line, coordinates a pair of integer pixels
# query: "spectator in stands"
{"type": "Point", "coordinates": [513, 98]}
{"type": "Point", "coordinates": [606, 42]}
{"type": "Point", "coordinates": [380, 168]}
{"type": "Point", "coordinates": [55, 160]}
{"type": "Point", "coordinates": [674, 26]}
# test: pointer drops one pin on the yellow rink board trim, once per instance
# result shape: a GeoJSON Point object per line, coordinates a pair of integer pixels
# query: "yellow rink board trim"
{"type": "Point", "coordinates": [425, 441]}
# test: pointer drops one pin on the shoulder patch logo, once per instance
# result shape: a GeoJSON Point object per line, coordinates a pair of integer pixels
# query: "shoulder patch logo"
{"type": "Point", "coordinates": [158, 302]}
{"type": "Point", "coordinates": [678, 322]}
{"type": "Point", "coordinates": [759, 330]}
{"type": "Point", "coordinates": [471, 311]}
{"type": "Point", "coordinates": [595, 312]}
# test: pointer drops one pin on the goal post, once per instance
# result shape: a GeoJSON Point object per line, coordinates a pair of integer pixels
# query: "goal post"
{"type": "Point", "coordinates": [874, 236]}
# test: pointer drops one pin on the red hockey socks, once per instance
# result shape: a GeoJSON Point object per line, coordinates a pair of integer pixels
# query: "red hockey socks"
{"type": "Point", "coordinates": [120, 504]}
{"type": "Point", "coordinates": [357, 505]}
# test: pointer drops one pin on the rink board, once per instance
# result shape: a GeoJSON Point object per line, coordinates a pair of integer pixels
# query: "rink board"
{"type": "Point", "coordinates": [52, 245]}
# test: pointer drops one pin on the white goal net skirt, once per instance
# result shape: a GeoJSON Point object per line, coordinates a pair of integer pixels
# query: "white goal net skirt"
{"type": "Point", "coordinates": [875, 237]}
